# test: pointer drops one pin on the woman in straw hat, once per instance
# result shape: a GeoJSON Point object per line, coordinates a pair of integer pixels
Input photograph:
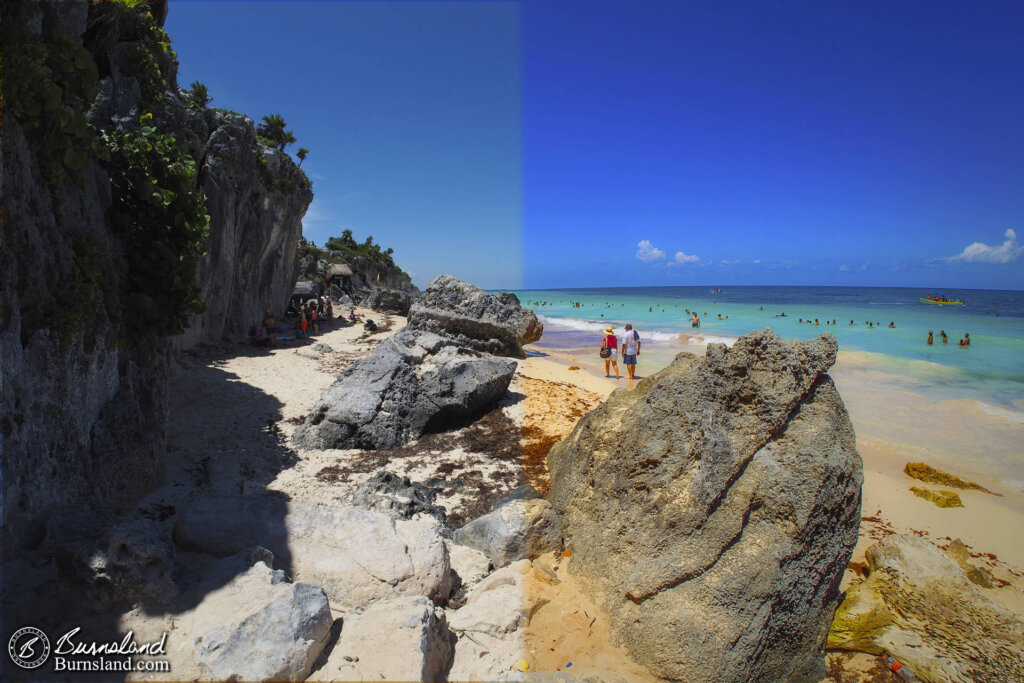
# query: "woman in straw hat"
{"type": "Point", "coordinates": [610, 351]}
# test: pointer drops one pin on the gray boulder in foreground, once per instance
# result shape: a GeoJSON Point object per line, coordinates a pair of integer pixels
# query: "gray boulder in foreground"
{"type": "Point", "coordinates": [518, 529]}
{"type": "Point", "coordinates": [494, 323]}
{"type": "Point", "coordinates": [411, 381]}
{"type": "Point", "coordinates": [715, 508]}
{"type": "Point", "coordinates": [258, 627]}
{"type": "Point", "coordinates": [356, 556]}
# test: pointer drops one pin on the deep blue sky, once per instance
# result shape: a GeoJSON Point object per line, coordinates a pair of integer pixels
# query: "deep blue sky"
{"type": "Point", "coordinates": [538, 144]}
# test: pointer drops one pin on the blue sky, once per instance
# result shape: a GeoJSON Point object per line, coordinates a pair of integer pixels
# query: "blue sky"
{"type": "Point", "coordinates": [592, 143]}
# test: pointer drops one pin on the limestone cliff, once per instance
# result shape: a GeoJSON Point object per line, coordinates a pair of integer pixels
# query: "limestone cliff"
{"type": "Point", "coordinates": [103, 248]}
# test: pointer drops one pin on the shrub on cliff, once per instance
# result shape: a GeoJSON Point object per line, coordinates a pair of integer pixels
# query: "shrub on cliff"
{"type": "Point", "coordinates": [161, 218]}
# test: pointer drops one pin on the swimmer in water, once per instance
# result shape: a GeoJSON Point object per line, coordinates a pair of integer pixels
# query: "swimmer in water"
{"type": "Point", "coordinates": [929, 342]}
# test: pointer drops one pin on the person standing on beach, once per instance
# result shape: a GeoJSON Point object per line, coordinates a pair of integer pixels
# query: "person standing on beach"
{"type": "Point", "coordinates": [630, 349]}
{"type": "Point", "coordinates": [611, 343]}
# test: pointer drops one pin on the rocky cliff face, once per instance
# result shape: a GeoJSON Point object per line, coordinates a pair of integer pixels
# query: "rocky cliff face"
{"type": "Point", "coordinates": [715, 507]}
{"type": "Point", "coordinates": [256, 197]}
{"type": "Point", "coordinates": [83, 383]}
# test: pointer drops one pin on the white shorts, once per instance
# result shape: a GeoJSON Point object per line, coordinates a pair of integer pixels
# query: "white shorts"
{"type": "Point", "coordinates": [614, 357]}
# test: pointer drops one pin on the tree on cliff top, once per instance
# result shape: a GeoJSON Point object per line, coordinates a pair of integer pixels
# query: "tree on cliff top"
{"type": "Point", "coordinates": [301, 154]}
{"type": "Point", "coordinates": [198, 93]}
{"type": "Point", "coordinates": [273, 129]}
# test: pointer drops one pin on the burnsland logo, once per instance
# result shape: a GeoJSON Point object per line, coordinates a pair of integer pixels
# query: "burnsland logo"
{"type": "Point", "coordinates": [29, 647]}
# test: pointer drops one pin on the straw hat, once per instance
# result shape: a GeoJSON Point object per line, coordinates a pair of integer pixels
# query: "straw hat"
{"type": "Point", "coordinates": [609, 330]}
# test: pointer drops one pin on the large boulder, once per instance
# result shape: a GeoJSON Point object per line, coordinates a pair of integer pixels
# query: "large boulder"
{"type": "Point", "coordinates": [412, 382]}
{"type": "Point", "coordinates": [356, 556]}
{"type": "Point", "coordinates": [494, 323]}
{"type": "Point", "coordinates": [395, 301]}
{"type": "Point", "coordinates": [715, 507]}
{"type": "Point", "coordinates": [259, 627]}
{"type": "Point", "coordinates": [920, 606]}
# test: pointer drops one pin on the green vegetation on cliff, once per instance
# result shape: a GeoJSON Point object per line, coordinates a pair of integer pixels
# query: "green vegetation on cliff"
{"type": "Point", "coordinates": [145, 282]}
{"type": "Point", "coordinates": [345, 249]}
{"type": "Point", "coordinates": [160, 216]}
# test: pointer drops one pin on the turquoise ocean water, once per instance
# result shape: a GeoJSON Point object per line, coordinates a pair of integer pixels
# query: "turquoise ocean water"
{"type": "Point", "coordinates": [990, 370]}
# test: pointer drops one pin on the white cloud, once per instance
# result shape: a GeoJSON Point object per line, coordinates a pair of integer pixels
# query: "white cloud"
{"type": "Point", "coordinates": [757, 260]}
{"type": "Point", "coordinates": [979, 252]}
{"type": "Point", "coordinates": [647, 252]}
{"type": "Point", "coordinates": [682, 257]}
{"type": "Point", "coordinates": [844, 267]}
{"type": "Point", "coordinates": [727, 262]}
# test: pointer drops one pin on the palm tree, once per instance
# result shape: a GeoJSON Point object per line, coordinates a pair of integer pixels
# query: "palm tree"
{"type": "Point", "coordinates": [301, 154]}
{"type": "Point", "coordinates": [272, 128]}
{"type": "Point", "coordinates": [200, 94]}
{"type": "Point", "coordinates": [287, 138]}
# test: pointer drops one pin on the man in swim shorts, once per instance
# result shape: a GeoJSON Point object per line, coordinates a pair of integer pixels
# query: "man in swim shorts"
{"type": "Point", "coordinates": [630, 345]}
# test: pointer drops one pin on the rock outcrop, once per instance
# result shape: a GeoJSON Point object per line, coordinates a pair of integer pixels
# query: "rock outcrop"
{"type": "Point", "coordinates": [494, 323]}
{"type": "Point", "coordinates": [356, 556]}
{"type": "Point", "coordinates": [104, 560]}
{"type": "Point", "coordinates": [920, 606]}
{"type": "Point", "coordinates": [84, 407]}
{"type": "Point", "coordinates": [412, 382]}
{"type": "Point", "coordinates": [396, 496]}
{"type": "Point", "coordinates": [715, 508]}
{"type": "Point", "coordinates": [256, 197]}
{"type": "Point", "coordinates": [395, 301]}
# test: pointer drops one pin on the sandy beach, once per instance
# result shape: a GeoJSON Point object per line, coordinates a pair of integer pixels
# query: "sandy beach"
{"type": "Point", "coordinates": [234, 410]}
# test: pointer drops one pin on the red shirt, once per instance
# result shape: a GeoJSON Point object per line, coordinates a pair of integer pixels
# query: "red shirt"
{"type": "Point", "coordinates": [611, 341]}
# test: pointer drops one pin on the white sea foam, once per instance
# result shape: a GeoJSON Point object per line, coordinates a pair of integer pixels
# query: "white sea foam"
{"type": "Point", "coordinates": [1008, 415]}
{"type": "Point", "coordinates": [701, 340]}
{"type": "Point", "coordinates": [557, 324]}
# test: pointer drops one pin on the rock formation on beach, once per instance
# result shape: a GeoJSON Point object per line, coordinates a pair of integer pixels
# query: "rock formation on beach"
{"type": "Point", "coordinates": [922, 607]}
{"type": "Point", "coordinates": [494, 323]}
{"type": "Point", "coordinates": [412, 381]}
{"type": "Point", "coordinates": [715, 508]}
{"type": "Point", "coordinates": [394, 301]}
{"type": "Point", "coordinates": [435, 372]}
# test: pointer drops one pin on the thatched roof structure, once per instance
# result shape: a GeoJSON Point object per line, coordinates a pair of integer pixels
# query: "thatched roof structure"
{"type": "Point", "coordinates": [339, 269]}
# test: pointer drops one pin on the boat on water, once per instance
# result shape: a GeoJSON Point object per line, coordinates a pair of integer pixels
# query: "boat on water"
{"type": "Point", "coordinates": [940, 300]}
{"type": "Point", "coordinates": [715, 290]}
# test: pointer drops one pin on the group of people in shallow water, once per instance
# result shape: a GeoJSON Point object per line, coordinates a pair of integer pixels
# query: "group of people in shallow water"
{"type": "Point", "coordinates": [629, 342]}
{"type": "Point", "coordinates": [964, 340]}
{"type": "Point", "coordinates": [302, 320]}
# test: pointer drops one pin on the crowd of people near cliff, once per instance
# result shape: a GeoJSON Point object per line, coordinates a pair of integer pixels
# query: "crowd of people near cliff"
{"type": "Point", "coordinates": [301, 321]}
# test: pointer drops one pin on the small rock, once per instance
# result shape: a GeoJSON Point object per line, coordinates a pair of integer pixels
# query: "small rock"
{"type": "Point", "coordinates": [395, 495]}
{"type": "Point", "coordinates": [403, 639]}
{"type": "Point", "coordinates": [518, 529]}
